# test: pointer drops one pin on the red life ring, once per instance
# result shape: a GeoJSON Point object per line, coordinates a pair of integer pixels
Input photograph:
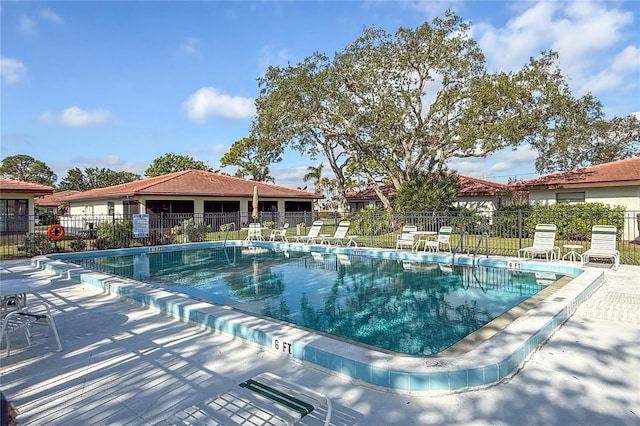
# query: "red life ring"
{"type": "Point", "coordinates": [55, 232]}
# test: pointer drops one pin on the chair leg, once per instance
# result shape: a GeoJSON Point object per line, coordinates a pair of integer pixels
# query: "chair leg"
{"type": "Point", "coordinates": [52, 324]}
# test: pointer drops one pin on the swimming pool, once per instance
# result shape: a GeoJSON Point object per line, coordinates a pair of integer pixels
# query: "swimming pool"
{"type": "Point", "coordinates": [411, 308]}
{"type": "Point", "coordinates": [485, 357]}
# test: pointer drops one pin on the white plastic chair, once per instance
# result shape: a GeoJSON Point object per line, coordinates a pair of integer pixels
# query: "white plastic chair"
{"type": "Point", "coordinates": [443, 238]}
{"type": "Point", "coordinates": [279, 234]}
{"type": "Point", "coordinates": [544, 243]}
{"type": "Point", "coordinates": [407, 238]}
{"type": "Point", "coordinates": [255, 232]}
{"type": "Point", "coordinates": [23, 318]}
{"type": "Point", "coordinates": [603, 245]}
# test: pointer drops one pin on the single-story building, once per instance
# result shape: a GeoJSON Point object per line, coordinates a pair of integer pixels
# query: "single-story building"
{"type": "Point", "coordinates": [17, 205]}
{"type": "Point", "coordinates": [211, 197]}
{"type": "Point", "coordinates": [615, 184]}
{"type": "Point", "coordinates": [477, 194]}
{"type": "Point", "coordinates": [51, 203]}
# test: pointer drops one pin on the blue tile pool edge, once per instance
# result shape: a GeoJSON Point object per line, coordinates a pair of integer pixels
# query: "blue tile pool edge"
{"type": "Point", "coordinates": [493, 361]}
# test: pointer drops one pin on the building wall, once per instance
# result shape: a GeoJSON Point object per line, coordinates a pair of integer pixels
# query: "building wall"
{"type": "Point", "coordinates": [30, 205]}
{"type": "Point", "coordinates": [625, 196]}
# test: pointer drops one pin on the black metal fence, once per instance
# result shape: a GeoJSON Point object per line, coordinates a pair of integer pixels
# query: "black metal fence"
{"type": "Point", "coordinates": [480, 233]}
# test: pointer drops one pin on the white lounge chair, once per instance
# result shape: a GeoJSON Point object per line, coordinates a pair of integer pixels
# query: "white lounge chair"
{"type": "Point", "coordinates": [255, 232]}
{"type": "Point", "coordinates": [279, 234]}
{"type": "Point", "coordinates": [407, 237]}
{"type": "Point", "coordinates": [603, 245]}
{"type": "Point", "coordinates": [443, 238]}
{"type": "Point", "coordinates": [544, 243]}
{"type": "Point", "coordinates": [340, 237]}
{"type": "Point", "coordinates": [313, 234]}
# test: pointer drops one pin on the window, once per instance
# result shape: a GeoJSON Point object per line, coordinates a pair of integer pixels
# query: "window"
{"type": "Point", "coordinates": [14, 215]}
{"type": "Point", "coordinates": [221, 206]}
{"type": "Point", "coordinates": [570, 197]}
{"type": "Point", "coordinates": [169, 206]}
{"type": "Point", "coordinates": [130, 207]}
{"type": "Point", "coordinates": [297, 206]}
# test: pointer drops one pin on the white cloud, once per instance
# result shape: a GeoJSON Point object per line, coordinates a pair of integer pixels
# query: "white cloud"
{"type": "Point", "coordinates": [219, 148]}
{"type": "Point", "coordinates": [433, 8]}
{"type": "Point", "coordinates": [27, 25]}
{"type": "Point", "coordinates": [519, 163]}
{"type": "Point", "coordinates": [12, 70]}
{"type": "Point", "coordinates": [583, 33]}
{"type": "Point", "coordinates": [269, 56]}
{"type": "Point", "coordinates": [191, 46]}
{"type": "Point", "coordinates": [209, 102]}
{"type": "Point", "coordinates": [625, 63]}
{"type": "Point", "coordinates": [290, 177]}
{"type": "Point", "coordinates": [76, 117]}
{"type": "Point", "coordinates": [112, 162]}
{"type": "Point", "coordinates": [51, 16]}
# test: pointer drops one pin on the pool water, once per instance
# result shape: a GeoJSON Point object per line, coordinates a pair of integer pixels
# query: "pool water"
{"type": "Point", "coordinates": [411, 308]}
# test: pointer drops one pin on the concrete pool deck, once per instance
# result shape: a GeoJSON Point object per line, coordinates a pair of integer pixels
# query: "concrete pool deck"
{"type": "Point", "coordinates": [126, 364]}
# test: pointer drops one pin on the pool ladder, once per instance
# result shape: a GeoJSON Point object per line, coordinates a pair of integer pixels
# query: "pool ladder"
{"type": "Point", "coordinates": [226, 235]}
{"type": "Point", "coordinates": [483, 237]}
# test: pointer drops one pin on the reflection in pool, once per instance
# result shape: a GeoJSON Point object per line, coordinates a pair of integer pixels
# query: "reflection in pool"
{"type": "Point", "coordinates": [411, 308]}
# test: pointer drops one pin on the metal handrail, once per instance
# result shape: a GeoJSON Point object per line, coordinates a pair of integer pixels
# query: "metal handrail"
{"type": "Point", "coordinates": [458, 246]}
{"type": "Point", "coordinates": [226, 235]}
{"type": "Point", "coordinates": [484, 236]}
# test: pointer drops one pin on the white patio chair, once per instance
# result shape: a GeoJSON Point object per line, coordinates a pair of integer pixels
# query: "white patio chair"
{"type": "Point", "coordinates": [544, 243]}
{"type": "Point", "coordinates": [407, 238]}
{"type": "Point", "coordinates": [279, 234]}
{"type": "Point", "coordinates": [23, 318]}
{"type": "Point", "coordinates": [442, 239]}
{"type": "Point", "coordinates": [255, 232]}
{"type": "Point", "coordinates": [340, 237]}
{"type": "Point", "coordinates": [312, 236]}
{"type": "Point", "coordinates": [603, 245]}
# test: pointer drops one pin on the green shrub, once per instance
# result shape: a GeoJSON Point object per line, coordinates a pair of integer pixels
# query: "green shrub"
{"type": "Point", "coordinates": [507, 220]}
{"type": "Point", "coordinates": [194, 231]}
{"type": "Point", "coordinates": [369, 221]}
{"type": "Point", "coordinates": [158, 238]}
{"type": "Point", "coordinates": [118, 234]}
{"type": "Point", "coordinates": [36, 244]}
{"type": "Point", "coordinates": [101, 244]}
{"type": "Point", "coordinates": [78, 244]}
{"type": "Point", "coordinates": [574, 221]}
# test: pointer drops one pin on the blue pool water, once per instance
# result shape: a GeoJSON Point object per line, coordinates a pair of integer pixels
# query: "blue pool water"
{"type": "Point", "coordinates": [410, 308]}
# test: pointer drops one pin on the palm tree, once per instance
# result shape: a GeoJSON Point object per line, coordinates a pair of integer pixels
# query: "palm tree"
{"type": "Point", "coordinates": [314, 174]}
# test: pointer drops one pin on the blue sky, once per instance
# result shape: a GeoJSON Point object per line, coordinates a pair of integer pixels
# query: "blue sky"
{"type": "Point", "coordinates": [118, 84]}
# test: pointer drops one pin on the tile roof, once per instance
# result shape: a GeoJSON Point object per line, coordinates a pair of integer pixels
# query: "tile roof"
{"type": "Point", "coordinates": [469, 187]}
{"type": "Point", "coordinates": [617, 173]}
{"type": "Point", "coordinates": [54, 199]}
{"type": "Point", "coordinates": [18, 186]}
{"type": "Point", "coordinates": [193, 183]}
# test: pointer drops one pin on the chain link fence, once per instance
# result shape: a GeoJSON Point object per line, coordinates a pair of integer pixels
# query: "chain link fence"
{"type": "Point", "coordinates": [478, 233]}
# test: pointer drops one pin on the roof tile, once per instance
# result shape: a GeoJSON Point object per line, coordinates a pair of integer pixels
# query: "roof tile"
{"type": "Point", "coordinates": [11, 185]}
{"type": "Point", "coordinates": [617, 173]}
{"type": "Point", "coordinates": [193, 183]}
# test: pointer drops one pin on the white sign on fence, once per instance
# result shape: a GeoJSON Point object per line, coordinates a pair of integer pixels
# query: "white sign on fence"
{"type": "Point", "coordinates": [140, 226]}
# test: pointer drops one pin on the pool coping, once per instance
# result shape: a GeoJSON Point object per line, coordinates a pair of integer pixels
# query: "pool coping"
{"type": "Point", "coordinates": [486, 364]}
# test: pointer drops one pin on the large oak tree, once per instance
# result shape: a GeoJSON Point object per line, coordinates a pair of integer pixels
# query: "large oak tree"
{"type": "Point", "coordinates": [397, 108]}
